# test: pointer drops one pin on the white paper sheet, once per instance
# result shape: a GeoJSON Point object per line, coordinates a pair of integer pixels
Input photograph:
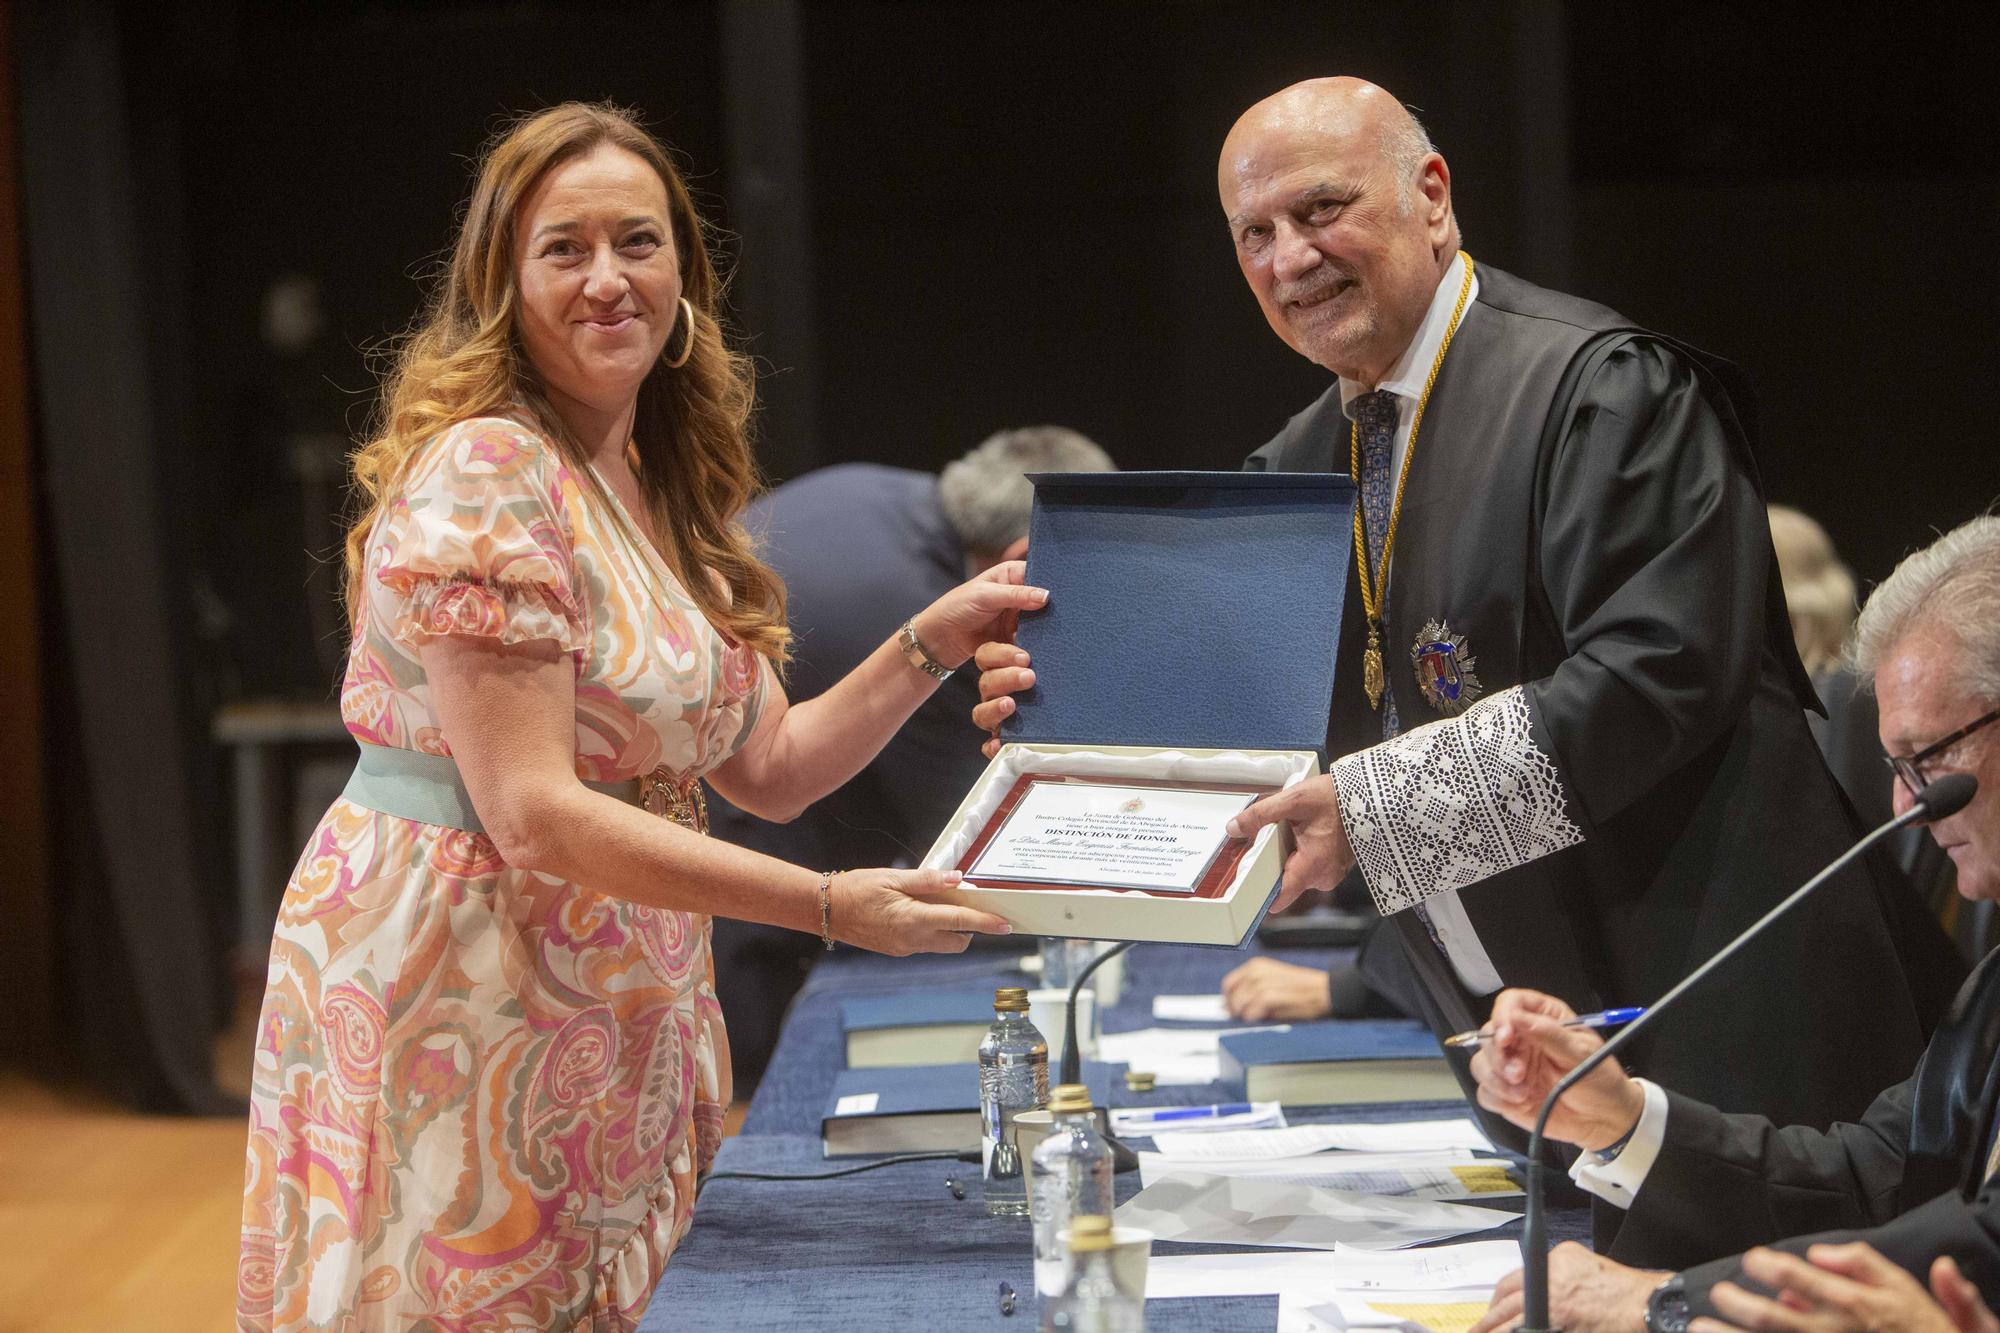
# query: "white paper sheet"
{"type": "Point", "coordinates": [1110, 835]}
{"type": "Point", "coordinates": [1254, 1210]}
{"type": "Point", "coordinates": [1472, 1264]}
{"type": "Point", "coordinates": [1438, 1176]}
{"type": "Point", "coordinates": [1299, 1140]}
{"type": "Point", "coordinates": [1137, 1121]}
{"type": "Point", "coordinates": [1190, 1009]}
{"type": "Point", "coordinates": [1177, 1057]}
{"type": "Point", "coordinates": [1153, 1165]}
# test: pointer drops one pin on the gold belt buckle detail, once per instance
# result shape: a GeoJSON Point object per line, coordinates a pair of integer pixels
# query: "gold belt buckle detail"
{"type": "Point", "coordinates": [679, 799]}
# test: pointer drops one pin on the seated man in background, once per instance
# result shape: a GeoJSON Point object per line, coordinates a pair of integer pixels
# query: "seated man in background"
{"type": "Point", "coordinates": [1914, 1178]}
{"type": "Point", "coordinates": [857, 545]}
{"type": "Point", "coordinates": [1819, 595]}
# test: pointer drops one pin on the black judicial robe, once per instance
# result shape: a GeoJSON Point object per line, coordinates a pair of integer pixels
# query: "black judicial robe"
{"type": "Point", "coordinates": [1584, 511]}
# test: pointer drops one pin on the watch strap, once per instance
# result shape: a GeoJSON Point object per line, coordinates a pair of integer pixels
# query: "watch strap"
{"type": "Point", "coordinates": [919, 656]}
{"type": "Point", "coordinates": [1667, 1306]}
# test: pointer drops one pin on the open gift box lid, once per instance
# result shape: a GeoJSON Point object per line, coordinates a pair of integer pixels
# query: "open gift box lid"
{"type": "Point", "coordinates": [1190, 634]}
{"type": "Point", "coordinates": [1186, 609]}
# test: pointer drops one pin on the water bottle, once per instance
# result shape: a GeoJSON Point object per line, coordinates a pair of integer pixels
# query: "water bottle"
{"type": "Point", "coordinates": [1071, 1177]}
{"type": "Point", "coordinates": [1062, 959]}
{"type": "Point", "coordinates": [1013, 1077]}
{"type": "Point", "coordinates": [1091, 1300]}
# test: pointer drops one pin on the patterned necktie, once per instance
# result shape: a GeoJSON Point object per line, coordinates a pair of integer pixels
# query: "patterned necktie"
{"type": "Point", "coordinates": [1376, 416]}
{"type": "Point", "coordinates": [1375, 421]}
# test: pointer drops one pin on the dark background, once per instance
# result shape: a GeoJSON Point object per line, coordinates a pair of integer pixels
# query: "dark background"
{"type": "Point", "coordinates": [950, 219]}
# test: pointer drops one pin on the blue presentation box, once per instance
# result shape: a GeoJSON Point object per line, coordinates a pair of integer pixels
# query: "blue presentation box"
{"type": "Point", "coordinates": [1189, 638]}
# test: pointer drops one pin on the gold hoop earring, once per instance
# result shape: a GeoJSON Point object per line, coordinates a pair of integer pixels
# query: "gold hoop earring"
{"type": "Point", "coordinates": [687, 343]}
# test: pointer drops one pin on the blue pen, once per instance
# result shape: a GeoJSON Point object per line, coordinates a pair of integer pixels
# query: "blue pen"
{"type": "Point", "coordinates": [1167, 1113]}
{"type": "Point", "coordinates": [1610, 1018]}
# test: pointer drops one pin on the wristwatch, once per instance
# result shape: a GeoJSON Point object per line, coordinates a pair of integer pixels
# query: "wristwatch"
{"type": "Point", "coordinates": [917, 655]}
{"type": "Point", "coordinates": [1667, 1307]}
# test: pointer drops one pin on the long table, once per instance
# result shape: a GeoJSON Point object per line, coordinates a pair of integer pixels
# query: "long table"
{"type": "Point", "coordinates": [893, 1248]}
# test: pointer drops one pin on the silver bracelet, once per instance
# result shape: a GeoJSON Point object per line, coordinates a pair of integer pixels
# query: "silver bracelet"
{"type": "Point", "coordinates": [919, 656]}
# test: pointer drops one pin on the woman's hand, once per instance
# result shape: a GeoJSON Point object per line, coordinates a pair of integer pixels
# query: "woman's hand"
{"type": "Point", "coordinates": [884, 910]}
{"type": "Point", "coordinates": [1531, 1050]}
{"type": "Point", "coordinates": [974, 612]}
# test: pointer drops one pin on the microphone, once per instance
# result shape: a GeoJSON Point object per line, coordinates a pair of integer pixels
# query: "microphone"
{"type": "Point", "coordinates": [1938, 800]}
{"type": "Point", "coordinates": [1123, 1159]}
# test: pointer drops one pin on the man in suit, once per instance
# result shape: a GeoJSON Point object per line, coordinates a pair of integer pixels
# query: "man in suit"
{"type": "Point", "coordinates": [1569, 713]}
{"type": "Point", "coordinates": [858, 546]}
{"type": "Point", "coordinates": [1914, 1177]}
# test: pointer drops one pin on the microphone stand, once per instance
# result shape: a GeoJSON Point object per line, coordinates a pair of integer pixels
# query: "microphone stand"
{"type": "Point", "coordinates": [1534, 1227]}
{"type": "Point", "coordinates": [1123, 1159]}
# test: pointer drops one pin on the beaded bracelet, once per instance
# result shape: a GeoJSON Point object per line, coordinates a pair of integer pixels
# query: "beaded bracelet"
{"type": "Point", "coordinates": [826, 908]}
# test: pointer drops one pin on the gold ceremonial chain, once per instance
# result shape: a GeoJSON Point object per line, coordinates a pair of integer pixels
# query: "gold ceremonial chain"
{"type": "Point", "coordinates": [1373, 680]}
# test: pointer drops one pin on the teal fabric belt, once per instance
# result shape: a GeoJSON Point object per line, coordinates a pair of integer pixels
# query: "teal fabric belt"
{"type": "Point", "coordinates": [428, 788]}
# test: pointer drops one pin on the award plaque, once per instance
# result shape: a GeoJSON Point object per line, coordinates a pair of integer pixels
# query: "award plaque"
{"type": "Point", "coordinates": [1177, 679]}
{"type": "Point", "coordinates": [1139, 835]}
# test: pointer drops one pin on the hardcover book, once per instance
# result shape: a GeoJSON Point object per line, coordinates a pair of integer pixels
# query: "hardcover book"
{"type": "Point", "coordinates": [925, 1028]}
{"type": "Point", "coordinates": [917, 1108]}
{"type": "Point", "coordinates": [1344, 1062]}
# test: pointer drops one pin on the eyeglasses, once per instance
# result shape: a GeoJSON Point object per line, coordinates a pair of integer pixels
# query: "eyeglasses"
{"type": "Point", "coordinates": [1909, 769]}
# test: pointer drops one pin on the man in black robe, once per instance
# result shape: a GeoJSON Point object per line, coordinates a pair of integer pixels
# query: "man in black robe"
{"type": "Point", "coordinates": [1589, 765]}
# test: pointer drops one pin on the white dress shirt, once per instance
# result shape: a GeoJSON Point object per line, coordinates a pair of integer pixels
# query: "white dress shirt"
{"type": "Point", "coordinates": [1618, 1180]}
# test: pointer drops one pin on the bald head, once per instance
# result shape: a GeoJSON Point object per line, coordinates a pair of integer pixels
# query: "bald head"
{"type": "Point", "coordinates": [1334, 110]}
{"type": "Point", "coordinates": [1341, 215]}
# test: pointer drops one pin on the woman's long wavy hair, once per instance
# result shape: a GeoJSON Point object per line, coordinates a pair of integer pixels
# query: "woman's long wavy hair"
{"type": "Point", "coordinates": [691, 431]}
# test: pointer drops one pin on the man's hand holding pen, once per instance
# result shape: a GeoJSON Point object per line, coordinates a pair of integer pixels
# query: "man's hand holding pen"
{"type": "Point", "coordinates": [1534, 1043]}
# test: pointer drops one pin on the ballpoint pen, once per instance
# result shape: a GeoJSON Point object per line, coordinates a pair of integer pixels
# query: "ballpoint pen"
{"type": "Point", "coordinates": [1166, 1114]}
{"type": "Point", "coordinates": [1610, 1018]}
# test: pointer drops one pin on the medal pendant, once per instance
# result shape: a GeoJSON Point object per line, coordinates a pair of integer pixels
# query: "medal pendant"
{"type": "Point", "coordinates": [1373, 682]}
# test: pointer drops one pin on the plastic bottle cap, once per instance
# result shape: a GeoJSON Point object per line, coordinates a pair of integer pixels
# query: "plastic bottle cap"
{"type": "Point", "coordinates": [1069, 1097]}
{"type": "Point", "coordinates": [1011, 999]}
{"type": "Point", "coordinates": [1089, 1233]}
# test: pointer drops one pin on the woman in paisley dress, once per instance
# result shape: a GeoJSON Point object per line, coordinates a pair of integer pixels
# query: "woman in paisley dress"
{"type": "Point", "coordinates": [490, 1065]}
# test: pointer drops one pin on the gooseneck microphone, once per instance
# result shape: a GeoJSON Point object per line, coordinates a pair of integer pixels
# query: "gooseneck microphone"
{"type": "Point", "coordinates": [1123, 1159]}
{"type": "Point", "coordinates": [1938, 800]}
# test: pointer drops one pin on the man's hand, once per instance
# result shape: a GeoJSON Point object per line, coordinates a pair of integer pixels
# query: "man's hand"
{"type": "Point", "coordinates": [1960, 1299]}
{"type": "Point", "coordinates": [1003, 673]}
{"type": "Point", "coordinates": [1320, 854]}
{"type": "Point", "coordinates": [1264, 989]}
{"type": "Point", "coordinates": [1530, 1051]}
{"type": "Point", "coordinates": [1841, 1289]}
{"type": "Point", "coordinates": [1587, 1294]}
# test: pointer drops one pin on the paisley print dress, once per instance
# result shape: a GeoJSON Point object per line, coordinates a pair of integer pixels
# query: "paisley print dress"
{"type": "Point", "coordinates": [482, 1096]}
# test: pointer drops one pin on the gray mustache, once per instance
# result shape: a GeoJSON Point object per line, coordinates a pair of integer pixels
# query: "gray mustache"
{"type": "Point", "coordinates": [1317, 287]}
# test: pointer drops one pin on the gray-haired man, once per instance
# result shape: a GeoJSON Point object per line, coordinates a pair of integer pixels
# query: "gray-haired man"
{"type": "Point", "coordinates": [1914, 1178]}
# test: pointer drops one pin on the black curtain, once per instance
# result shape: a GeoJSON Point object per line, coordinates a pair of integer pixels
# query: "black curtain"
{"type": "Point", "coordinates": [140, 973]}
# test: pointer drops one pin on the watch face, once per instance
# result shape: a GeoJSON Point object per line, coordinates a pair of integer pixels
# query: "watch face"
{"type": "Point", "coordinates": [1667, 1307]}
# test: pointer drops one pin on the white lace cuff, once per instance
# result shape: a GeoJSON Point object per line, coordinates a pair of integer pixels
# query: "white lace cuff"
{"type": "Point", "coordinates": [1452, 803]}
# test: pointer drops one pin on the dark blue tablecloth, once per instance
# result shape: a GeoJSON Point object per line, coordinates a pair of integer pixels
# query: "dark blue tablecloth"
{"type": "Point", "coordinates": [892, 1249]}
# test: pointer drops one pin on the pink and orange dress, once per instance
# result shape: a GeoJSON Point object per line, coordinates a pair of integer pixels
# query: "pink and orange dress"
{"type": "Point", "coordinates": [482, 1095]}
